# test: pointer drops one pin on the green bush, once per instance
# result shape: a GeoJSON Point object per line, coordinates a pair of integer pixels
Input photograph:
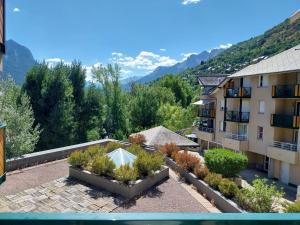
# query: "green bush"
{"type": "Point", "coordinates": [103, 165]}
{"type": "Point", "coordinates": [225, 162]}
{"type": "Point", "coordinates": [113, 146]}
{"type": "Point", "coordinates": [147, 163]}
{"type": "Point", "coordinates": [135, 149]}
{"type": "Point", "coordinates": [228, 188]}
{"type": "Point", "coordinates": [201, 171]}
{"type": "Point", "coordinates": [261, 197]}
{"type": "Point", "coordinates": [125, 174]}
{"type": "Point", "coordinates": [95, 150]}
{"type": "Point", "coordinates": [78, 159]}
{"type": "Point", "coordinates": [292, 207]}
{"type": "Point", "coordinates": [213, 180]}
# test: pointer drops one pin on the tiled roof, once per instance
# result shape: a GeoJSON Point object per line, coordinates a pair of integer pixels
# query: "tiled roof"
{"type": "Point", "coordinates": [211, 80]}
{"type": "Point", "coordinates": [287, 61]}
{"type": "Point", "coordinates": [160, 135]}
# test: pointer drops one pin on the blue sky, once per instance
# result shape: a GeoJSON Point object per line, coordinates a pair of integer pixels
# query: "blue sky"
{"type": "Point", "coordinates": [138, 34]}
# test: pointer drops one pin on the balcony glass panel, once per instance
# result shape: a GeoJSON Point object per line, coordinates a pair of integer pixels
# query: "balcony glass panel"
{"type": "Point", "coordinates": [206, 113]}
{"type": "Point", "coordinates": [285, 121]}
{"type": "Point", "coordinates": [244, 92]}
{"type": "Point", "coordinates": [285, 91]}
{"type": "Point", "coordinates": [236, 116]}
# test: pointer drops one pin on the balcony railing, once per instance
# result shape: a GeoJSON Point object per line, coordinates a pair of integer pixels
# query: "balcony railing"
{"type": "Point", "coordinates": [242, 92]}
{"type": "Point", "coordinates": [285, 121]}
{"type": "Point", "coordinates": [206, 129]}
{"type": "Point", "coordinates": [236, 116]}
{"type": "Point", "coordinates": [209, 113]}
{"type": "Point", "coordinates": [286, 91]}
{"type": "Point", "coordinates": [284, 145]}
{"type": "Point", "coordinates": [238, 137]}
{"type": "Point", "coordinates": [149, 218]}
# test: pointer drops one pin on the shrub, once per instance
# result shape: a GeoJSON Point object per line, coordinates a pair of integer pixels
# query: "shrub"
{"type": "Point", "coordinates": [213, 180]}
{"type": "Point", "coordinates": [201, 171]}
{"type": "Point", "coordinates": [113, 146]}
{"type": "Point", "coordinates": [148, 163]}
{"type": "Point", "coordinates": [135, 149]}
{"type": "Point", "coordinates": [292, 207]}
{"type": "Point", "coordinates": [138, 139]}
{"type": "Point", "coordinates": [125, 174]}
{"type": "Point", "coordinates": [78, 159]}
{"type": "Point", "coordinates": [261, 197]}
{"type": "Point", "coordinates": [95, 150]}
{"type": "Point", "coordinates": [187, 161]}
{"type": "Point", "coordinates": [103, 165]}
{"type": "Point", "coordinates": [225, 162]}
{"type": "Point", "coordinates": [228, 188]}
{"type": "Point", "coordinates": [169, 149]}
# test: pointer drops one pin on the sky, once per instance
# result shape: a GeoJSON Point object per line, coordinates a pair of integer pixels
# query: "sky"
{"type": "Point", "coordinates": [137, 34]}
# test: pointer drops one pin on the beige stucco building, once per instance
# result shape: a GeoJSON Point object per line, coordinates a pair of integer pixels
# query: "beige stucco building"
{"type": "Point", "coordinates": [257, 111]}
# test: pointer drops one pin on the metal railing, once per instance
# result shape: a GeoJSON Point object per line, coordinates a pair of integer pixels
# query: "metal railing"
{"type": "Point", "coordinates": [236, 116]}
{"type": "Point", "coordinates": [284, 145]}
{"type": "Point", "coordinates": [206, 129]}
{"type": "Point", "coordinates": [238, 92]}
{"type": "Point", "coordinates": [238, 137]}
{"type": "Point", "coordinates": [149, 218]}
{"type": "Point", "coordinates": [286, 91]}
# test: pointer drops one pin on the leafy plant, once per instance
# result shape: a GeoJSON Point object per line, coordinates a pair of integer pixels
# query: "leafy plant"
{"type": "Point", "coordinates": [261, 197]}
{"type": "Point", "coordinates": [187, 161]}
{"type": "Point", "coordinates": [225, 162]}
{"type": "Point", "coordinates": [137, 139]}
{"type": "Point", "coordinates": [228, 188]}
{"type": "Point", "coordinates": [292, 207]}
{"type": "Point", "coordinates": [113, 146]}
{"type": "Point", "coordinates": [79, 159]}
{"type": "Point", "coordinates": [135, 149]}
{"type": "Point", "coordinates": [126, 174]}
{"type": "Point", "coordinates": [103, 165]}
{"type": "Point", "coordinates": [201, 171]}
{"type": "Point", "coordinates": [169, 149]}
{"type": "Point", "coordinates": [213, 180]}
{"type": "Point", "coordinates": [95, 150]}
{"type": "Point", "coordinates": [148, 163]}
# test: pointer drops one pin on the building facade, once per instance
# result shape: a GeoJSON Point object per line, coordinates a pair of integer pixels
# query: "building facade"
{"type": "Point", "coordinates": [257, 111]}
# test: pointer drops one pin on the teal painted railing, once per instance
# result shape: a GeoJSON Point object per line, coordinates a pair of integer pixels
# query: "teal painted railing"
{"type": "Point", "coordinates": [148, 219]}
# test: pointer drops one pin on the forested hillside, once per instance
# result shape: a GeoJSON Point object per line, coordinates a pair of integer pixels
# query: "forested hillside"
{"type": "Point", "coordinates": [273, 41]}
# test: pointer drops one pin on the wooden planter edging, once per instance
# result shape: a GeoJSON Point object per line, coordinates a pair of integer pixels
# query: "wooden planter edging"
{"type": "Point", "coordinates": [113, 186]}
{"type": "Point", "coordinates": [224, 204]}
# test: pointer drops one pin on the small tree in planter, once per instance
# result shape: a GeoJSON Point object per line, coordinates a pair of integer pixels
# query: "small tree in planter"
{"type": "Point", "coordinates": [187, 161]}
{"type": "Point", "coordinates": [169, 149]}
{"type": "Point", "coordinates": [225, 162]}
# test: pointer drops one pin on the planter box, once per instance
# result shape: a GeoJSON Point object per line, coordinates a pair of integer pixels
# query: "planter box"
{"type": "Point", "coordinates": [113, 186]}
{"type": "Point", "coordinates": [224, 204]}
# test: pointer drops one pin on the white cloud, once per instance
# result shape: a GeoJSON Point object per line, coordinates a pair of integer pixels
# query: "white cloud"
{"type": "Point", "coordinates": [186, 55]}
{"type": "Point", "coordinates": [162, 49]}
{"type": "Point", "coordinates": [228, 45]}
{"type": "Point", "coordinates": [54, 61]}
{"type": "Point", "coordinates": [145, 60]}
{"type": "Point", "coordinates": [16, 10]}
{"type": "Point", "coordinates": [189, 2]}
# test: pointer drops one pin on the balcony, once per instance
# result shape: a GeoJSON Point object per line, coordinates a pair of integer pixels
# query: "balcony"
{"type": "Point", "coordinates": [208, 113]}
{"type": "Point", "coordinates": [205, 133]}
{"type": "Point", "coordinates": [285, 121]}
{"type": "Point", "coordinates": [283, 151]}
{"type": "Point", "coordinates": [236, 142]}
{"type": "Point", "coordinates": [236, 116]}
{"type": "Point", "coordinates": [286, 91]}
{"type": "Point", "coordinates": [242, 92]}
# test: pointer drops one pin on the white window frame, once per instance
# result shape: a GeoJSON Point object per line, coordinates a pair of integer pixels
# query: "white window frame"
{"type": "Point", "coordinates": [263, 81]}
{"type": "Point", "coordinates": [222, 105]}
{"type": "Point", "coordinates": [221, 126]}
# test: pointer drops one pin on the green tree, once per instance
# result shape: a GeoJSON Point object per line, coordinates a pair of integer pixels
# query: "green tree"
{"type": "Point", "coordinates": [15, 111]}
{"type": "Point", "coordinates": [92, 118]}
{"type": "Point", "coordinates": [115, 111]}
{"type": "Point", "coordinates": [175, 117]}
{"type": "Point", "coordinates": [143, 107]}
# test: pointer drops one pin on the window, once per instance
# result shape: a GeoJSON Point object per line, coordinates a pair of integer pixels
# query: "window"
{"type": "Point", "coordinates": [260, 133]}
{"type": "Point", "coordinates": [261, 106]}
{"type": "Point", "coordinates": [266, 163]}
{"type": "Point", "coordinates": [222, 105]}
{"type": "Point", "coordinates": [263, 81]}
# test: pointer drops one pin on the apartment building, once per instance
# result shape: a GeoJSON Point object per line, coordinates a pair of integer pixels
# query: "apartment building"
{"type": "Point", "coordinates": [257, 111]}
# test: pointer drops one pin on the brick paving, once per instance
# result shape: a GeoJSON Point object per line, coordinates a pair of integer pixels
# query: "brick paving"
{"type": "Point", "coordinates": [46, 188]}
